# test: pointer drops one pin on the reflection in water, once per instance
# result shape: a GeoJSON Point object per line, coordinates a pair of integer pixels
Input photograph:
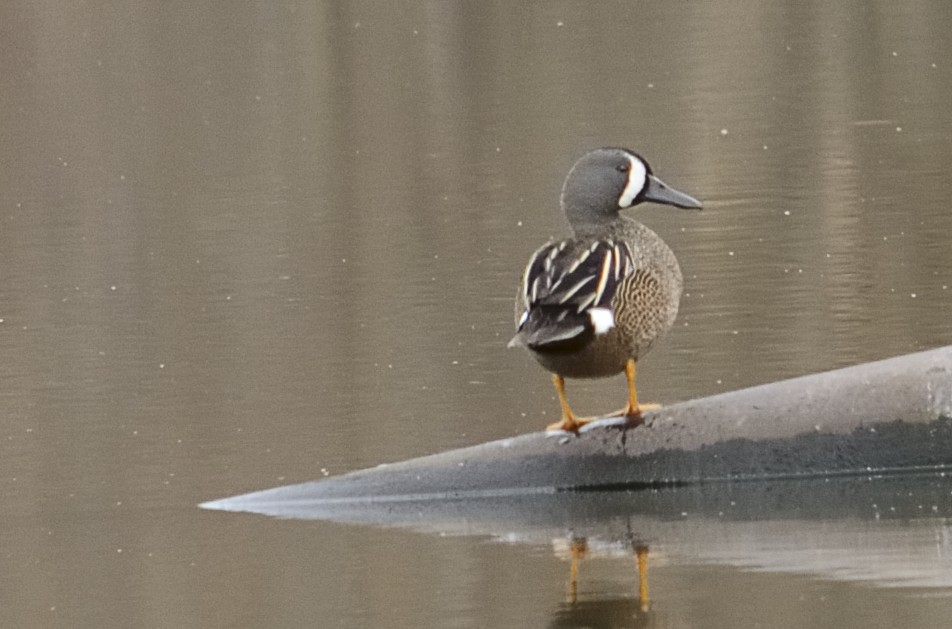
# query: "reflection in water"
{"type": "Point", "coordinates": [576, 548]}
{"type": "Point", "coordinates": [888, 531]}
{"type": "Point", "coordinates": [614, 613]}
{"type": "Point", "coordinates": [596, 610]}
{"type": "Point", "coordinates": [881, 529]}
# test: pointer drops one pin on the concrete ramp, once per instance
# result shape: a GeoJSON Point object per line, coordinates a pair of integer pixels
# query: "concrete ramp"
{"type": "Point", "coordinates": [887, 417]}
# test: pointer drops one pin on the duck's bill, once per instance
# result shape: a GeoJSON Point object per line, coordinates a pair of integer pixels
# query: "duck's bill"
{"type": "Point", "coordinates": [659, 192]}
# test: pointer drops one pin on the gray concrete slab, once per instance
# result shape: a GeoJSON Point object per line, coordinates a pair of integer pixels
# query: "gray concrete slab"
{"type": "Point", "coordinates": [888, 416]}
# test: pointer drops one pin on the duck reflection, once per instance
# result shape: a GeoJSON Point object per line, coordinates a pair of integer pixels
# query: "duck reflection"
{"type": "Point", "coordinates": [609, 612]}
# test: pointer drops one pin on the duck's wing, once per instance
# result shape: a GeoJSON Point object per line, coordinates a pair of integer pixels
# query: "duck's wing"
{"type": "Point", "coordinates": [567, 290]}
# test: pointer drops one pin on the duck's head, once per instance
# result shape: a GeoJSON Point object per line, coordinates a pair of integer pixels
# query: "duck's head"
{"type": "Point", "coordinates": [608, 180]}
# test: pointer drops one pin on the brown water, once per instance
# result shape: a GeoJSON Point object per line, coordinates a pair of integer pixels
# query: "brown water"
{"type": "Point", "coordinates": [248, 245]}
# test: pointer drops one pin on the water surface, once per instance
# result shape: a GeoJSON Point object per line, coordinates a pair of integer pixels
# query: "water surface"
{"type": "Point", "coordinates": [250, 245]}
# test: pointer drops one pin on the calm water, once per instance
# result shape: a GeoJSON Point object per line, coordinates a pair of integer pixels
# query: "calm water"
{"type": "Point", "coordinates": [249, 245]}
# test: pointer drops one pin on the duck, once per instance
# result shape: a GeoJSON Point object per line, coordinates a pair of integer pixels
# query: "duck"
{"type": "Point", "coordinates": [592, 305]}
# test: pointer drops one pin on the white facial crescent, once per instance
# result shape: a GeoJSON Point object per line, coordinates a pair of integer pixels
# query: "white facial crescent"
{"type": "Point", "coordinates": [637, 177]}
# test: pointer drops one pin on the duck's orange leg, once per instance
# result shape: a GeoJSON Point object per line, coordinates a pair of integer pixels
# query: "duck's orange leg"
{"type": "Point", "coordinates": [634, 410]}
{"type": "Point", "coordinates": [569, 420]}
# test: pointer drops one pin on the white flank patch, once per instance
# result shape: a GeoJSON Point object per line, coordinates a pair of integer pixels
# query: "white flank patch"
{"type": "Point", "coordinates": [523, 319]}
{"type": "Point", "coordinates": [637, 176]}
{"type": "Point", "coordinates": [602, 319]}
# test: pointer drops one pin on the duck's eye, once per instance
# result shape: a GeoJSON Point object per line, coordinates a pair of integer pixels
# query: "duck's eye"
{"type": "Point", "coordinates": [623, 168]}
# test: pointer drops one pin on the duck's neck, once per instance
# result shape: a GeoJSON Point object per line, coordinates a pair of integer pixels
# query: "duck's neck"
{"type": "Point", "coordinates": [604, 225]}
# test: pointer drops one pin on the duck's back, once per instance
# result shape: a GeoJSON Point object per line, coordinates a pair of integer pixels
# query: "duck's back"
{"type": "Point", "coordinates": [590, 303]}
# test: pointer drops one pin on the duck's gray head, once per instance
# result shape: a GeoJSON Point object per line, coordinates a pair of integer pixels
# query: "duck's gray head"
{"type": "Point", "coordinates": [608, 180]}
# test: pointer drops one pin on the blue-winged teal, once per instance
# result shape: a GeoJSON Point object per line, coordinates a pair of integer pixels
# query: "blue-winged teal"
{"type": "Point", "coordinates": [590, 306]}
